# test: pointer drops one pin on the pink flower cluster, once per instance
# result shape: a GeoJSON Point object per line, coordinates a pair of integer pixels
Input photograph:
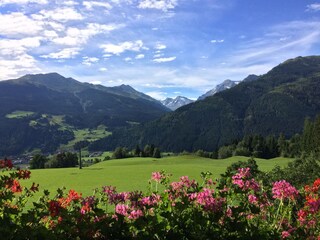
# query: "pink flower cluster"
{"type": "Point", "coordinates": [183, 185]}
{"type": "Point", "coordinates": [206, 199]}
{"type": "Point", "coordinates": [284, 190]}
{"type": "Point", "coordinates": [157, 176]}
{"type": "Point", "coordinates": [122, 209]}
{"type": "Point", "coordinates": [128, 212]}
{"type": "Point", "coordinates": [182, 188]}
{"type": "Point", "coordinates": [242, 181]}
{"type": "Point", "coordinates": [252, 199]}
{"type": "Point", "coordinates": [114, 197]}
{"type": "Point", "coordinates": [152, 200]}
{"type": "Point", "coordinates": [131, 205]}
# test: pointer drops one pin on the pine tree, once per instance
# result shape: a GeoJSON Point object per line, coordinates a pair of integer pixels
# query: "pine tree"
{"type": "Point", "coordinates": [271, 150]}
{"type": "Point", "coordinates": [307, 142]}
{"type": "Point", "coordinates": [137, 151]}
{"type": "Point", "coordinates": [283, 146]}
{"type": "Point", "coordinates": [147, 151]}
{"type": "Point", "coordinates": [316, 135]}
{"type": "Point", "coordinates": [156, 153]}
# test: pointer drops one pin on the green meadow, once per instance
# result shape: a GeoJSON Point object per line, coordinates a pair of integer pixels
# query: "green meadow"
{"type": "Point", "coordinates": [134, 173]}
{"type": "Point", "coordinates": [86, 135]}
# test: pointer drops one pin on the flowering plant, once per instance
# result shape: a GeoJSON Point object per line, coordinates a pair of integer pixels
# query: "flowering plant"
{"type": "Point", "coordinates": [243, 209]}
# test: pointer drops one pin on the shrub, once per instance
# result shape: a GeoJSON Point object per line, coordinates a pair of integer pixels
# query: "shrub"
{"type": "Point", "coordinates": [243, 209]}
{"type": "Point", "coordinates": [225, 151]}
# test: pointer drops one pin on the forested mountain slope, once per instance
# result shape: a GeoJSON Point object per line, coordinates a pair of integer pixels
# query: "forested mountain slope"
{"type": "Point", "coordinates": [29, 105]}
{"type": "Point", "coordinates": [277, 102]}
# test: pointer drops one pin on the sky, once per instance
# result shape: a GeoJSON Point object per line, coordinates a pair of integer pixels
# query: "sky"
{"type": "Point", "coordinates": [163, 48]}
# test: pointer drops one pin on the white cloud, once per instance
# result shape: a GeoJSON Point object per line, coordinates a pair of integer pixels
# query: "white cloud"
{"type": "Point", "coordinates": [122, 47]}
{"type": "Point", "coordinates": [54, 25]}
{"type": "Point", "coordinates": [66, 53]}
{"type": "Point", "coordinates": [16, 66]}
{"type": "Point", "coordinates": [103, 69]}
{"type": "Point", "coordinates": [119, 2]}
{"type": "Point", "coordinates": [313, 7]}
{"type": "Point", "coordinates": [282, 39]}
{"type": "Point", "coordinates": [163, 5]}
{"type": "Point", "coordinates": [70, 3]}
{"type": "Point", "coordinates": [157, 95]}
{"type": "Point", "coordinates": [96, 82]}
{"type": "Point", "coordinates": [303, 35]}
{"type": "Point", "coordinates": [139, 56]}
{"type": "Point", "coordinates": [160, 46]}
{"type": "Point", "coordinates": [161, 60]}
{"type": "Point", "coordinates": [13, 47]}
{"type": "Point", "coordinates": [5, 2]}
{"type": "Point", "coordinates": [50, 34]}
{"type": "Point", "coordinates": [107, 55]}
{"type": "Point", "coordinates": [15, 58]}
{"type": "Point", "coordinates": [17, 24]}
{"type": "Point", "coordinates": [128, 59]}
{"type": "Point", "coordinates": [88, 61]}
{"type": "Point", "coordinates": [217, 41]}
{"type": "Point", "coordinates": [158, 55]}
{"type": "Point", "coordinates": [75, 36]}
{"type": "Point", "coordinates": [89, 5]}
{"type": "Point", "coordinates": [64, 14]}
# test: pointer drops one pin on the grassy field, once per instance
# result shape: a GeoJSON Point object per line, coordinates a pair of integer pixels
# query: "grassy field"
{"type": "Point", "coordinates": [87, 134]}
{"type": "Point", "coordinates": [134, 173]}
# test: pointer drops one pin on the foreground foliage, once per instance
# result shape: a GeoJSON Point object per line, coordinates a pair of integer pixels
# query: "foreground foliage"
{"type": "Point", "coordinates": [243, 209]}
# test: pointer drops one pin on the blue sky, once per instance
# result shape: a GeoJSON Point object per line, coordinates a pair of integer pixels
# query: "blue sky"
{"type": "Point", "coordinates": [164, 48]}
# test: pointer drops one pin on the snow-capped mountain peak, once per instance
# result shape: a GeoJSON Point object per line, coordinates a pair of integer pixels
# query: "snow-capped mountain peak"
{"type": "Point", "coordinates": [226, 84]}
{"type": "Point", "coordinates": [175, 103]}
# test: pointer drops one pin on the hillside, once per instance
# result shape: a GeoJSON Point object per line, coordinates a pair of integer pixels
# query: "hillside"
{"type": "Point", "coordinates": [277, 102]}
{"type": "Point", "coordinates": [56, 105]}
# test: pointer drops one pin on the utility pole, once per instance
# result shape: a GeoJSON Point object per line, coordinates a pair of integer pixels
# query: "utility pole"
{"type": "Point", "coordinates": [78, 146]}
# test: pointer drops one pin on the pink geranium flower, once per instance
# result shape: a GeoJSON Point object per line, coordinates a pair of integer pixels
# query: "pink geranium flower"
{"type": "Point", "coordinates": [284, 190]}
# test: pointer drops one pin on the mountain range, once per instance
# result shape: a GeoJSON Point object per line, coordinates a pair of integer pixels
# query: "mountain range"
{"type": "Point", "coordinates": [179, 101]}
{"type": "Point", "coordinates": [47, 111]}
{"type": "Point", "coordinates": [277, 102]}
{"type": "Point", "coordinates": [31, 105]}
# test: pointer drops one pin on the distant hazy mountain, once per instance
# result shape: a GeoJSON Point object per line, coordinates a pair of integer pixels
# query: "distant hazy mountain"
{"type": "Point", "coordinates": [24, 103]}
{"type": "Point", "coordinates": [226, 84]}
{"type": "Point", "coordinates": [175, 103]}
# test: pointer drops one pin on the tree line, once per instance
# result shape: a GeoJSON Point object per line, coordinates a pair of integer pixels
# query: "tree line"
{"type": "Point", "coordinates": [60, 160]}
{"type": "Point", "coordinates": [271, 146]}
{"type": "Point", "coordinates": [147, 151]}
